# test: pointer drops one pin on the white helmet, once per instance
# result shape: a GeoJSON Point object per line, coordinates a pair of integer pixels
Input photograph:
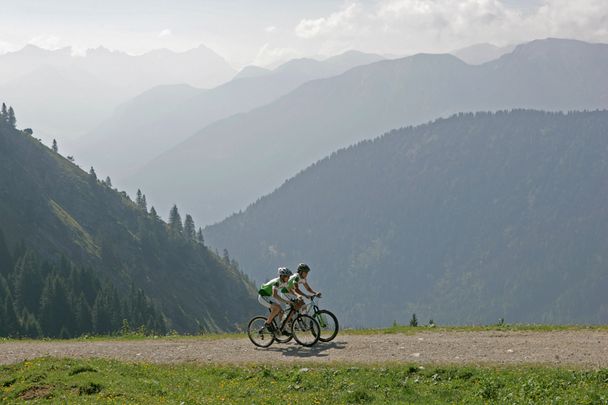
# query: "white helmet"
{"type": "Point", "coordinates": [284, 271]}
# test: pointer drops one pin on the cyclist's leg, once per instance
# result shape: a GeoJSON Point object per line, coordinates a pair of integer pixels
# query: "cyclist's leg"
{"type": "Point", "coordinates": [291, 297]}
{"type": "Point", "coordinates": [274, 311]}
{"type": "Point", "coordinates": [273, 305]}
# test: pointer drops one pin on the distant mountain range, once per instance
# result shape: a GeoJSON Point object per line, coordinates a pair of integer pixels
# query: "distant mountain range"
{"type": "Point", "coordinates": [482, 53]}
{"type": "Point", "coordinates": [233, 161]}
{"type": "Point", "coordinates": [56, 209]}
{"type": "Point", "coordinates": [464, 220]}
{"type": "Point", "coordinates": [162, 117]}
{"type": "Point", "coordinates": [64, 95]}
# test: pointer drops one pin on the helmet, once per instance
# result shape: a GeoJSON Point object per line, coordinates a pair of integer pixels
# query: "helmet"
{"type": "Point", "coordinates": [284, 271]}
{"type": "Point", "coordinates": [303, 267]}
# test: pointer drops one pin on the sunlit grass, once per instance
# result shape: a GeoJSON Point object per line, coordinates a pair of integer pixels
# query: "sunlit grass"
{"type": "Point", "coordinates": [49, 380]}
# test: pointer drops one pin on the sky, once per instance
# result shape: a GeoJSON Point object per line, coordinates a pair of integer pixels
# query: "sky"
{"type": "Point", "coordinates": [268, 32]}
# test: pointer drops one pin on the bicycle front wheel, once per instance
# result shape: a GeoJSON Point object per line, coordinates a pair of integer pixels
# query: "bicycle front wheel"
{"type": "Point", "coordinates": [305, 330]}
{"type": "Point", "coordinates": [258, 332]}
{"type": "Point", "coordinates": [328, 324]}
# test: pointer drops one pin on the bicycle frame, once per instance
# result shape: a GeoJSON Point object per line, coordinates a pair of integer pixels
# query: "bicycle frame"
{"type": "Point", "coordinates": [311, 308]}
{"type": "Point", "coordinates": [287, 318]}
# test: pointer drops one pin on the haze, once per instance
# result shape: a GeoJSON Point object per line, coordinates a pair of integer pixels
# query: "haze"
{"type": "Point", "coordinates": [269, 32]}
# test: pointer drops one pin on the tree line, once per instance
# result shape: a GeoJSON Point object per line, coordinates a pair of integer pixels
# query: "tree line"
{"type": "Point", "coordinates": [40, 298]}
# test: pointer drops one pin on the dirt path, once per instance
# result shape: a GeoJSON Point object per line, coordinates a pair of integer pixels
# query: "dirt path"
{"type": "Point", "coordinates": [584, 348]}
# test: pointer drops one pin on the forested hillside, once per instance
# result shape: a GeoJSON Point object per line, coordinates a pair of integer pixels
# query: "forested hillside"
{"type": "Point", "coordinates": [463, 220]}
{"type": "Point", "coordinates": [55, 209]}
{"type": "Point", "coordinates": [42, 299]}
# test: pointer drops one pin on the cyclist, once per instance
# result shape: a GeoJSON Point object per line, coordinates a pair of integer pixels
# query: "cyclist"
{"type": "Point", "coordinates": [293, 285]}
{"type": "Point", "coordinates": [270, 295]}
{"type": "Point", "coordinates": [293, 291]}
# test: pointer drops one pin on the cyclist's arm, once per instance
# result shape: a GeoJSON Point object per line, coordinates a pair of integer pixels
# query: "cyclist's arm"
{"type": "Point", "coordinates": [297, 292]}
{"type": "Point", "coordinates": [275, 294]}
{"type": "Point", "coordinates": [313, 292]}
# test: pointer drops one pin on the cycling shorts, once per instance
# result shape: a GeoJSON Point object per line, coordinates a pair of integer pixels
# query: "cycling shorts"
{"type": "Point", "coordinates": [268, 301]}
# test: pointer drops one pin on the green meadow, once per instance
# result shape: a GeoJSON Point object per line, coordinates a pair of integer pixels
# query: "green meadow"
{"type": "Point", "coordinates": [54, 381]}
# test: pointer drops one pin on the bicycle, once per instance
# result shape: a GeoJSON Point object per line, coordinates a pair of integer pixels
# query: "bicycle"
{"type": "Point", "coordinates": [304, 329]}
{"type": "Point", "coordinates": [326, 320]}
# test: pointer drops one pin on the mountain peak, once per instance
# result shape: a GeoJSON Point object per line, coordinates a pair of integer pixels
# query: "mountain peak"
{"type": "Point", "coordinates": [251, 71]}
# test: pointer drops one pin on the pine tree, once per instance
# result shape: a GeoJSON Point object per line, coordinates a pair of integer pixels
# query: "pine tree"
{"type": "Point", "coordinates": [138, 198]}
{"type": "Point", "coordinates": [154, 214]}
{"type": "Point", "coordinates": [10, 317]}
{"type": "Point", "coordinates": [3, 113]}
{"type": "Point", "coordinates": [82, 312]}
{"type": "Point", "coordinates": [414, 320]}
{"type": "Point", "coordinates": [141, 202]}
{"type": "Point", "coordinates": [6, 262]}
{"type": "Point", "coordinates": [199, 236]}
{"type": "Point", "coordinates": [28, 283]}
{"type": "Point", "coordinates": [30, 327]}
{"type": "Point", "coordinates": [226, 256]}
{"type": "Point", "coordinates": [93, 174]}
{"type": "Point", "coordinates": [175, 221]}
{"type": "Point", "coordinates": [189, 228]}
{"type": "Point", "coordinates": [11, 119]}
{"type": "Point", "coordinates": [55, 147]}
{"type": "Point", "coordinates": [109, 182]}
{"type": "Point", "coordinates": [56, 313]}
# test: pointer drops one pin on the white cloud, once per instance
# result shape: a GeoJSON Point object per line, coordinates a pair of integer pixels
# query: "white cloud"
{"type": "Point", "coordinates": [342, 22]}
{"type": "Point", "coordinates": [271, 57]}
{"type": "Point", "coordinates": [165, 33]}
{"type": "Point", "coordinates": [7, 47]}
{"type": "Point", "coordinates": [270, 29]}
{"type": "Point", "coordinates": [50, 42]}
{"type": "Point", "coordinates": [440, 25]}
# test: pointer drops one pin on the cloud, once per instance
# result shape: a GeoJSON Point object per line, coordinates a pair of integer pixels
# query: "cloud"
{"type": "Point", "coordinates": [270, 29]}
{"type": "Point", "coordinates": [415, 25]}
{"type": "Point", "coordinates": [165, 33]}
{"type": "Point", "coordinates": [342, 22]}
{"type": "Point", "coordinates": [50, 42]}
{"type": "Point", "coordinates": [268, 56]}
{"type": "Point", "coordinates": [6, 47]}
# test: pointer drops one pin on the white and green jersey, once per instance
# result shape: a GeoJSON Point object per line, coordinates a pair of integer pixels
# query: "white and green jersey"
{"type": "Point", "coordinates": [294, 280]}
{"type": "Point", "coordinates": [266, 288]}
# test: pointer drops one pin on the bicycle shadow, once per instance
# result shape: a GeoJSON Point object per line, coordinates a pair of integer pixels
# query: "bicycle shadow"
{"type": "Point", "coordinates": [318, 350]}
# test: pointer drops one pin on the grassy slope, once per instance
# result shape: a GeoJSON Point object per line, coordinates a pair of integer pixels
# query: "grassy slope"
{"type": "Point", "coordinates": [105, 381]}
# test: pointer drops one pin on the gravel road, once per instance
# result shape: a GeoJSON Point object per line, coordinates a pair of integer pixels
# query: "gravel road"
{"type": "Point", "coordinates": [577, 347]}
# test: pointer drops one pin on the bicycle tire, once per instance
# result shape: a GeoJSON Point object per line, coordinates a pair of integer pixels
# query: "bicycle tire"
{"type": "Point", "coordinates": [304, 325]}
{"type": "Point", "coordinates": [319, 314]}
{"type": "Point", "coordinates": [253, 334]}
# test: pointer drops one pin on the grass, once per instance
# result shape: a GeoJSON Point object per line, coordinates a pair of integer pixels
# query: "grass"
{"type": "Point", "coordinates": [49, 380]}
{"type": "Point", "coordinates": [408, 330]}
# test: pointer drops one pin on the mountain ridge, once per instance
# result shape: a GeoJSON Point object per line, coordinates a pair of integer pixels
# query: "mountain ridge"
{"type": "Point", "coordinates": [463, 220]}
{"type": "Point", "coordinates": [326, 114]}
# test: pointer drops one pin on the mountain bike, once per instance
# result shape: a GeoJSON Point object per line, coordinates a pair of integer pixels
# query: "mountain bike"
{"type": "Point", "coordinates": [303, 328]}
{"type": "Point", "coordinates": [327, 320]}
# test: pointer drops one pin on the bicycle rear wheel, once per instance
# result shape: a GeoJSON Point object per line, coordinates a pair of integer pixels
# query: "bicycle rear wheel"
{"type": "Point", "coordinates": [305, 330]}
{"type": "Point", "coordinates": [328, 324]}
{"type": "Point", "coordinates": [258, 333]}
